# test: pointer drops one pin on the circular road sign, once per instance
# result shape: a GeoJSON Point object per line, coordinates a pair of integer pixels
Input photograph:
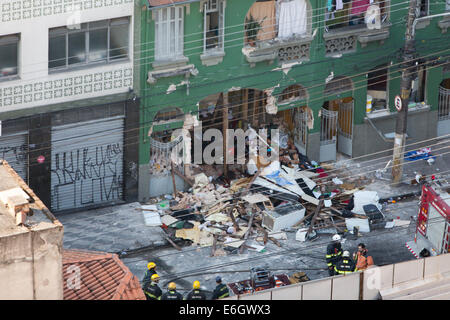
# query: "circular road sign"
{"type": "Point", "coordinates": [398, 103]}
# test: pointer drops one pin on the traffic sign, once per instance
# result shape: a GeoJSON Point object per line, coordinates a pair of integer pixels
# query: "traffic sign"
{"type": "Point", "coordinates": [398, 103]}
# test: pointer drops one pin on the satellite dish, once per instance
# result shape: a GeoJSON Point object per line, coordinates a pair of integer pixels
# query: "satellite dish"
{"type": "Point", "coordinates": [372, 17]}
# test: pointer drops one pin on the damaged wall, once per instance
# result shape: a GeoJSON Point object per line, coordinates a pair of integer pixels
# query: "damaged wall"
{"type": "Point", "coordinates": [234, 71]}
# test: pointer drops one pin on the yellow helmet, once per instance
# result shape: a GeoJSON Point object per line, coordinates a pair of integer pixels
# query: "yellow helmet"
{"type": "Point", "coordinates": [172, 286]}
{"type": "Point", "coordinates": [155, 277]}
{"type": "Point", "coordinates": [151, 265]}
{"type": "Point", "coordinates": [196, 285]}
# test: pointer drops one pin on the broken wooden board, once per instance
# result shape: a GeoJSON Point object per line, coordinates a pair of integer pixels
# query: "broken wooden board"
{"type": "Point", "coordinates": [168, 220]}
{"type": "Point", "coordinates": [310, 199]}
{"type": "Point", "coordinates": [218, 217]}
{"type": "Point", "coordinates": [234, 243]}
{"type": "Point", "coordinates": [239, 184]}
{"type": "Point", "coordinates": [255, 198]}
{"type": "Point", "coordinates": [202, 238]}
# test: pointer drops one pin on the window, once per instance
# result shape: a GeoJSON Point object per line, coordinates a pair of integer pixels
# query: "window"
{"type": "Point", "coordinates": [418, 85]}
{"type": "Point", "coordinates": [214, 17]}
{"type": "Point", "coordinates": [292, 93]}
{"type": "Point", "coordinates": [351, 13]}
{"type": "Point", "coordinates": [377, 89]}
{"type": "Point", "coordinates": [94, 42]}
{"type": "Point", "coordinates": [169, 33]}
{"type": "Point", "coordinates": [278, 19]}
{"type": "Point", "coordinates": [422, 8]}
{"type": "Point", "coordinates": [9, 51]}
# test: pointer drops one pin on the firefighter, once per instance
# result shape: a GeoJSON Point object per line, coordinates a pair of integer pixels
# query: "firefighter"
{"type": "Point", "coordinates": [153, 291]}
{"type": "Point", "coordinates": [361, 258]}
{"type": "Point", "coordinates": [172, 293]}
{"type": "Point", "coordinates": [151, 270]}
{"type": "Point", "coordinates": [345, 265]}
{"type": "Point", "coordinates": [221, 290]}
{"type": "Point", "coordinates": [195, 293]}
{"type": "Point", "coordinates": [334, 253]}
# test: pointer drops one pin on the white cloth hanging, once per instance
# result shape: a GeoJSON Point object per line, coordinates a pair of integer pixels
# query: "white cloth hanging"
{"type": "Point", "coordinates": [293, 18]}
{"type": "Point", "coordinates": [340, 5]}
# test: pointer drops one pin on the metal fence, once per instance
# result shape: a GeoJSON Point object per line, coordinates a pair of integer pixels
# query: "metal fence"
{"type": "Point", "coordinates": [444, 104]}
{"type": "Point", "coordinates": [403, 280]}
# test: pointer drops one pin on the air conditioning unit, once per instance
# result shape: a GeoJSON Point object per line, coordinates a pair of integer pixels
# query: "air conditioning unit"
{"type": "Point", "coordinates": [283, 216]}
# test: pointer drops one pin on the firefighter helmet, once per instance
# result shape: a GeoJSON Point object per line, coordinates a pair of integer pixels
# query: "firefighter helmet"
{"type": "Point", "coordinates": [155, 277]}
{"type": "Point", "coordinates": [172, 286]}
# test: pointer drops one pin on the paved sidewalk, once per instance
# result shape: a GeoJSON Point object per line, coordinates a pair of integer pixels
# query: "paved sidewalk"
{"type": "Point", "coordinates": [111, 229]}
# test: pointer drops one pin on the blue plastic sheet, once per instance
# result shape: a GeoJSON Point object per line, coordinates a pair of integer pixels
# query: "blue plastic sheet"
{"type": "Point", "coordinates": [416, 155]}
{"type": "Point", "coordinates": [278, 180]}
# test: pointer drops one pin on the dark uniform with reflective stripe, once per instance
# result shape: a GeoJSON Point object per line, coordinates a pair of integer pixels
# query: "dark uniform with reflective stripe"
{"type": "Point", "coordinates": [148, 277]}
{"type": "Point", "coordinates": [334, 253]}
{"type": "Point", "coordinates": [221, 291]}
{"type": "Point", "coordinates": [172, 295]}
{"type": "Point", "coordinates": [153, 292]}
{"type": "Point", "coordinates": [345, 266]}
{"type": "Point", "coordinates": [195, 295]}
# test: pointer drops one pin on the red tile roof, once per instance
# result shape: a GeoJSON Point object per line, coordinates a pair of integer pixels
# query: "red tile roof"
{"type": "Point", "coordinates": [102, 277]}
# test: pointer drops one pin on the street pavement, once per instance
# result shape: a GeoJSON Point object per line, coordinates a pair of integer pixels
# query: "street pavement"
{"type": "Point", "coordinates": [121, 229]}
{"type": "Point", "coordinates": [112, 229]}
{"type": "Point", "coordinates": [387, 246]}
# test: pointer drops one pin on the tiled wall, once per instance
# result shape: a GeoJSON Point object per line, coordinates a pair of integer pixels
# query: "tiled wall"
{"type": "Point", "coordinates": [66, 86]}
{"type": "Point", "coordinates": [15, 10]}
{"type": "Point", "coordinates": [35, 86]}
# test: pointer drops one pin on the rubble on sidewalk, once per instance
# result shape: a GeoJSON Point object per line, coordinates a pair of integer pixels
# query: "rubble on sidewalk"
{"type": "Point", "coordinates": [256, 205]}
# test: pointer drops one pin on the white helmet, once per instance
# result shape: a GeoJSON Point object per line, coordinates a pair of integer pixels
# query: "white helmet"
{"type": "Point", "coordinates": [346, 254]}
{"type": "Point", "coordinates": [336, 237]}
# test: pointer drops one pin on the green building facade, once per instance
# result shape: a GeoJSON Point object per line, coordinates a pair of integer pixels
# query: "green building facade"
{"type": "Point", "coordinates": [339, 75]}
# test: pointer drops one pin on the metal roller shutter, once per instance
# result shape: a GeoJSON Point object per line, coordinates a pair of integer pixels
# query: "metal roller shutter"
{"type": "Point", "coordinates": [14, 149]}
{"type": "Point", "coordinates": [87, 164]}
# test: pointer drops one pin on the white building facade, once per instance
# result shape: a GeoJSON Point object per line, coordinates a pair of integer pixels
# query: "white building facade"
{"type": "Point", "coordinates": [66, 98]}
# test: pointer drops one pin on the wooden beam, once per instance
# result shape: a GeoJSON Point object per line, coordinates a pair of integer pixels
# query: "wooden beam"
{"type": "Point", "coordinates": [213, 248]}
{"type": "Point", "coordinates": [275, 241]}
{"type": "Point", "coordinates": [247, 233]}
{"type": "Point", "coordinates": [173, 180]}
{"type": "Point", "coordinates": [254, 124]}
{"type": "Point", "coordinates": [170, 240]}
{"type": "Point", "coordinates": [224, 133]}
{"type": "Point", "coordinates": [316, 213]}
{"type": "Point", "coordinates": [182, 176]}
{"type": "Point", "coordinates": [245, 105]}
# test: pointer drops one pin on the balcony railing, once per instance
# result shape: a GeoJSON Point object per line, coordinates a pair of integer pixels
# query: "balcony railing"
{"type": "Point", "coordinates": [344, 40]}
{"type": "Point", "coordinates": [285, 50]}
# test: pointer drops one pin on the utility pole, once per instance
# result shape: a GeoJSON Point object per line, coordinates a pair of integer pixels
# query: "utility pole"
{"type": "Point", "coordinates": [402, 115]}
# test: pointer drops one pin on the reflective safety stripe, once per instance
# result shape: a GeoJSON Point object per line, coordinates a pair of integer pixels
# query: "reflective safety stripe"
{"type": "Point", "coordinates": [330, 264]}
{"type": "Point", "coordinates": [152, 295]}
{"type": "Point", "coordinates": [224, 295]}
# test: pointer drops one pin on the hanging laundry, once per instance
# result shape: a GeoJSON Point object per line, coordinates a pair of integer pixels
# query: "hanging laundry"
{"type": "Point", "coordinates": [339, 5]}
{"type": "Point", "coordinates": [330, 5]}
{"type": "Point", "coordinates": [293, 18]}
{"type": "Point", "coordinates": [360, 6]}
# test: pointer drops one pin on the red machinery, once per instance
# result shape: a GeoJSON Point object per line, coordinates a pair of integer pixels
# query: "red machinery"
{"type": "Point", "coordinates": [433, 222]}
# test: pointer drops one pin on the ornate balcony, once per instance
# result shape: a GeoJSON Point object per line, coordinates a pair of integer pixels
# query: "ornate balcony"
{"type": "Point", "coordinates": [344, 40]}
{"type": "Point", "coordinates": [286, 50]}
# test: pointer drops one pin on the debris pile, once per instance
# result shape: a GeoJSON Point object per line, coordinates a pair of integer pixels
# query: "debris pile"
{"type": "Point", "coordinates": [262, 201]}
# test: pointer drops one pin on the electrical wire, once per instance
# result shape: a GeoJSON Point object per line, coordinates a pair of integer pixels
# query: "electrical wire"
{"type": "Point", "coordinates": [235, 119]}
{"type": "Point", "coordinates": [205, 247]}
{"type": "Point", "coordinates": [227, 34]}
